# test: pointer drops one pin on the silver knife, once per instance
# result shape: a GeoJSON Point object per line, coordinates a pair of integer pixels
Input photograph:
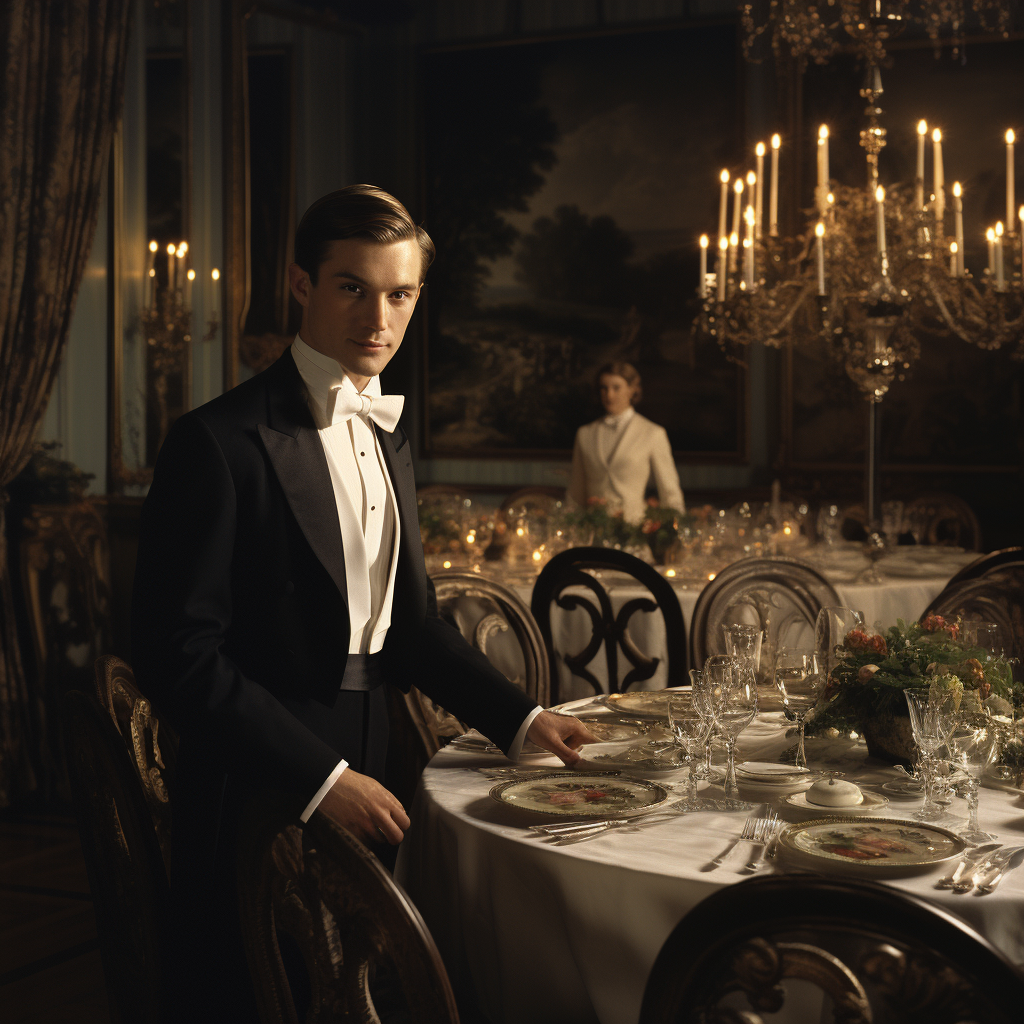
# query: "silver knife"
{"type": "Point", "coordinates": [717, 862]}
{"type": "Point", "coordinates": [970, 859]}
{"type": "Point", "coordinates": [991, 878]}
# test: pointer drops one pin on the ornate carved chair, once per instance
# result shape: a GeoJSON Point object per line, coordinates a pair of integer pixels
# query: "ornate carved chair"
{"type": "Point", "coordinates": [782, 595]}
{"type": "Point", "coordinates": [568, 571]}
{"type": "Point", "coordinates": [485, 613]}
{"type": "Point", "coordinates": [881, 955]}
{"type": "Point", "coordinates": [946, 519]}
{"type": "Point", "coordinates": [364, 947]}
{"type": "Point", "coordinates": [152, 752]}
{"type": "Point", "coordinates": [992, 589]}
{"type": "Point", "coordinates": [122, 856]}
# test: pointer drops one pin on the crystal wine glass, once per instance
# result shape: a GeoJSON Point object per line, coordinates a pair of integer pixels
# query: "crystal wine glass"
{"type": "Point", "coordinates": [690, 729]}
{"type": "Point", "coordinates": [930, 732]}
{"type": "Point", "coordinates": [703, 703]}
{"type": "Point", "coordinates": [830, 629]}
{"type": "Point", "coordinates": [799, 683]}
{"type": "Point", "coordinates": [974, 744]}
{"type": "Point", "coordinates": [732, 691]}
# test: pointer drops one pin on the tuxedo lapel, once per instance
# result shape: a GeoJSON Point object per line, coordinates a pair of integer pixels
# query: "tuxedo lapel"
{"type": "Point", "coordinates": [400, 469]}
{"type": "Point", "coordinates": [298, 458]}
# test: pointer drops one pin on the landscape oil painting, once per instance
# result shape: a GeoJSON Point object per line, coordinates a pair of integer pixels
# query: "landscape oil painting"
{"type": "Point", "coordinates": [566, 194]}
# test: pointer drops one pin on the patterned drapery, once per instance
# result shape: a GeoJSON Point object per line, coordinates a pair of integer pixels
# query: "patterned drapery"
{"type": "Point", "coordinates": [61, 93]}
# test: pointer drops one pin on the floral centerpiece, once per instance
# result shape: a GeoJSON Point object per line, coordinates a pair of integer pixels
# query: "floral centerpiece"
{"type": "Point", "coordinates": [659, 529]}
{"type": "Point", "coordinates": [864, 690]}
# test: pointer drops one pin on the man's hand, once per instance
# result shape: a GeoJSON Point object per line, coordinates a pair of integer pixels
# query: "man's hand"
{"type": "Point", "coordinates": [561, 734]}
{"type": "Point", "coordinates": [365, 807]}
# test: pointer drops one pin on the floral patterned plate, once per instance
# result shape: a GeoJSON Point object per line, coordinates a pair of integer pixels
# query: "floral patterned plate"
{"type": "Point", "coordinates": [642, 703]}
{"type": "Point", "coordinates": [870, 847]}
{"type": "Point", "coordinates": [589, 795]}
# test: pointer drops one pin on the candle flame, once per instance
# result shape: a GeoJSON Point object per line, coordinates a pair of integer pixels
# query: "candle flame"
{"type": "Point", "coordinates": [215, 274]}
{"type": "Point", "coordinates": [152, 273]}
{"type": "Point", "coordinates": [776, 141]}
{"type": "Point", "coordinates": [819, 229]}
{"type": "Point", "coordinates": [670, 573]}
{"type": "Point", "coordinates": [191, 275]}
{"type": "Point", "coordinates": [759, 149]}
{"type": "Point", "coordinates": [953, 247]}
{"type": "Point", "coordinates": [738, 185]}
{"type": "Point", "coordinates": [956, 189]}
{"type": "Point", "coordinates": [751, 178]}
{"type": "Point", "coordinates": [823, 133]}
{"type": "Point", "coordinates": [746, 243]}
{"type": "Point", "coordinates": [734, 239]}
{"type": "Point", "coordinates": [990, 235]}
{"type": "Point", "coordinates": [749, 215]}
{"type": "Point", "coordinates": [1020, 213]}
{"type": "Point", "coordinates": [183, 248]}
{"type": "Point", "coordinates": [999, 229]}
{"type": "Point", "coordinates": [703, 241]}
{"type": "Point", "coordinates": [1009, 136]}
{"type": "Point", "coordinates": [880, 194]}
{"type": "Point", "coordinates": [153, 246]}
{"type": "Point", "coordinates": [831, 198]}
{"type": "Point", "coordinates": [724, 176]}
{"type": "Point", "coordinates": [723, 243]}
{"type": "Point", "coordinates": [936, 135]}
{"type": "Point", "coordinates": [922, 127]}
{"type": "Point", "coordinates": [446, 564]}
{"type": "Point", "coordinates": [170, 248]}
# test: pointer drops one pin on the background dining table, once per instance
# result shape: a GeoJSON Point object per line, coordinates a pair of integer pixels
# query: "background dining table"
{"type": "Point", "coordinates": [569, 933]}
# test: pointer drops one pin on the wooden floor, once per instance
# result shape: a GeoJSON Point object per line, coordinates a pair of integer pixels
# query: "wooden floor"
{"type": "Point", "coordinates": [50, 967]}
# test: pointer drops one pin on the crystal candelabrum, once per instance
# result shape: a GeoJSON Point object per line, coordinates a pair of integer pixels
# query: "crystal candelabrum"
{"type": "Point", "coordinates": [877, 271]}
{"type": "Point", "coordinates": [166, 318]}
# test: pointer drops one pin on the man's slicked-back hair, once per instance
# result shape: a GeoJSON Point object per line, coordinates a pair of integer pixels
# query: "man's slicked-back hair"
{"type": "Point", "coordinates": [356, 211]}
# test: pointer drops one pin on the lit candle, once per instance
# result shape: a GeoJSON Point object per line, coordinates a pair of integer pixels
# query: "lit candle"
{"type": "Point", "coordinates": [723, 247]}
{"type": "Point", "coordinates": [939, 180]}
{"type": "Point", "coordinates": [703, 285]}
{"type": "Point", "coordinates": [179, 256]}
{"type": "Point", "coordinates": [723, 203]}
{"type": "Point", "coordinates": [880, 226]}
{"type": "Point", "coordinates": [215, 304]}
{"type": "Point", "coordinates": [822, 168]}
{"type": "Point", "coordinates": [1000, 278]}
{"type": "Point", "coordinates": [953, 264]}
{"type": "Point", "coordinates": [990, 237]}
{"type": "Point", "coordinates": [1020, 235]}
{"type": "Point", "coordinates": [958, 218]}
{"type": "Point", "coordinates": [152, 256]}
{"type": "Point", "coordinates": [922, 131]}
{"type": "Point", "coordinates": [773, 198]}
{"type": "Point", "coordinates": [819, 249]}
{"type": "Point", "coordinates": [170, 268]}
{"type": "Point", "coordinates": [151, 285]}
{"type": "Point", "coordinates": [737, 210]}
{"type": "Point", "coordinates": [748, 244]}
{"type": "Point", "coordinates": [1009, 178]}
{"type": "Point", "coordinates": [190, 277]}
{"type": "Point", "coordinates": [759, 194]}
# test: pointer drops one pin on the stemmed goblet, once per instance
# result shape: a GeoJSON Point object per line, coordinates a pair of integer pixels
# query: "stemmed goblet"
{"type": "Point", "coordinates": [732, 693]}
{"type": "Point", "coordinates": [930, 726]}
{"type": "Point", "coordinates": [702, 702]}
{"type": "Point", "coordinates": [974, 745]}
{"type": "Point", "coordinates": [799, 683]}
{"type": "Point", "coordinates": [744, 641]}
{"type": "Point", "coordinates": [690, 729]}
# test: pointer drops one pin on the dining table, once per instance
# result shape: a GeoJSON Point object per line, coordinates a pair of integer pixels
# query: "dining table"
{"type": "Point", "coordinates": [534, 930]}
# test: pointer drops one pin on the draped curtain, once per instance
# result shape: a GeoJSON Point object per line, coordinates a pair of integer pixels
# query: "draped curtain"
{"type": "Point", "coordinates": [61, 94]}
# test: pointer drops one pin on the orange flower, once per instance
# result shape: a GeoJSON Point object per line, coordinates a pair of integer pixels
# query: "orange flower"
{"type": "Point", "coordinates": [937, 624]}
{"type": "Point", "coordinates": [858, 640]}
{"type": "Point", "coordinates": [650, 526]}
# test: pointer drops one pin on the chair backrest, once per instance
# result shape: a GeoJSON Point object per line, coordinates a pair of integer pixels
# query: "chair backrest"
{"type": "Point", "coordinates": [544, 499]}
{"type": "Point", "coordinates": [495, 621]}
{"type": "Point", "coordinates": [152, 752]}
{"type": "Point", "coordinates": [122, 857]}
{"type": "Point", "coordinates": [573, 569]}
{"type": "Point", "coordinates": [362, 941]}
{"type": "Point", "coordinates": [946, 519]}
{"type": "Point", "coordinates": [994, 594]}
{"type": "Point", "coordinates": [881, 954]}
{"type": "Point", "coordinates": [782, 595]}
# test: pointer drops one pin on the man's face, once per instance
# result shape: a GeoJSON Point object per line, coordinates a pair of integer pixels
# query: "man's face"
{"type": "Point", "coordinates": [358, 310]}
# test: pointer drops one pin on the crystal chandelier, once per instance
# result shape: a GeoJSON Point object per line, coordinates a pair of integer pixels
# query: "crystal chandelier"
{"type": "Point", "coordinates": [805, 29]}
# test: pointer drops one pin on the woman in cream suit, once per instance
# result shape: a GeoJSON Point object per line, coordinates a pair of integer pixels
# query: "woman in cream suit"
{"type": "Point", "coordinates": [615, 456]}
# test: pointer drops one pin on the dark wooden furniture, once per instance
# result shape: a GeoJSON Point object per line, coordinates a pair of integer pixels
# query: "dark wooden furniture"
{"type": "Point", "coordinates": [364, 946]}
{"type": "Point", "coordinates": [123, 859]}
{"type": "Point", "coordinates": [575, 568]}
{"type": "Point", "coordinates": [779, 593]}
{"type": "Point", "coordinates": [881, 955]}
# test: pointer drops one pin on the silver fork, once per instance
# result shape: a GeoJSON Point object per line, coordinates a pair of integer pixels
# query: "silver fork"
{"type": "Point", "coordinates": [749, 829]}
{"type": "Point", "coordinates": [982, 868]}
{"type": "Point", "coordinates": [763, 832]}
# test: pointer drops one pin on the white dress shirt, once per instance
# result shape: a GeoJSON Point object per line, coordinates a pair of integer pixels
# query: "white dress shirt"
{"type": "Point", "coordinates": [367, 513]}
{"type": "Point", "coordinates": [611, 431]}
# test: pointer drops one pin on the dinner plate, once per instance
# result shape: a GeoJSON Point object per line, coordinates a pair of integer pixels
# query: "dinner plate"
{"type": "Point", "coordinates": [904, 789]}
{"type": "Point", "coordinates": [581, 795]}
{"type": "Point", "coordinates": [642, 703]}
{"type": "Point", "coordinates": [610, 730]}
{"type": "Point", "coordinates": [871, 804]}
{"type": "Point", "coordinates": [771, 771]}
{"type": "Point", "coordinates": [869, 847]}
{"type": "Point", "coordinates": [644, 757]}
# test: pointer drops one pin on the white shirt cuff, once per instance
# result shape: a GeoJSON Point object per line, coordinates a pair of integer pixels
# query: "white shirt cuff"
{"type": "Point", "coordinates": [322, 791]}
{"type": "Point", "coordinates": [517, 744]}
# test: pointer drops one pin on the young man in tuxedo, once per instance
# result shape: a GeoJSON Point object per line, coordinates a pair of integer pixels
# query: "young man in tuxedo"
{"type": "Point", "coordinates": [280, 585]}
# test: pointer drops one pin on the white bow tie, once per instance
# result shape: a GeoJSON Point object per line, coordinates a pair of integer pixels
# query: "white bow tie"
{"type": "Point", "coordinates": [384, 410]}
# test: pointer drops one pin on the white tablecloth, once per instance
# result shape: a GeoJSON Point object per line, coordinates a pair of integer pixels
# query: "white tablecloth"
{"type": "Point", "coordinates": [569, 934]}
